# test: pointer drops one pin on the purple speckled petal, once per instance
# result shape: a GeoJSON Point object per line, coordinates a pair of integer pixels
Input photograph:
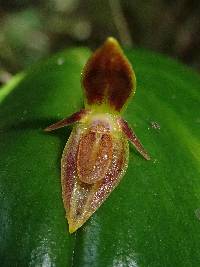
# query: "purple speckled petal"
{"type": "Point", "coordinates": [129, 133]}
{"type": "Point", "coordinates": [75, 117]}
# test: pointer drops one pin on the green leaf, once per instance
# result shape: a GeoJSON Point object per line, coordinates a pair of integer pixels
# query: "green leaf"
{"type": "Point", "coordinates": [151, 219]}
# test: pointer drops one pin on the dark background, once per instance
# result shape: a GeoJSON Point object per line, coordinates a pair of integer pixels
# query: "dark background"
{"type": "Point", "coordinates": [31, 30]}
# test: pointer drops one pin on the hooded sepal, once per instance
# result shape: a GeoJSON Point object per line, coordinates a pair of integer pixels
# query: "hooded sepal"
{"type": "Point", "coordinates": [108, 78]}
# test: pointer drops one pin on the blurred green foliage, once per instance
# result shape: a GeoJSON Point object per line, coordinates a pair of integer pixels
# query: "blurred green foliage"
{"type": "Point", "coordinates": [31, 30]}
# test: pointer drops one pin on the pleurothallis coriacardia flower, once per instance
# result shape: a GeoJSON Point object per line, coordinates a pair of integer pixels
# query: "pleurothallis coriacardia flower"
{"type": "Point", "coordinates": [95, 157]}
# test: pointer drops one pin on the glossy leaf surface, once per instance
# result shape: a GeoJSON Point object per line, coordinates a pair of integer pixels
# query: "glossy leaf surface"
{"type": "Point", "coordinates": [151, 219]}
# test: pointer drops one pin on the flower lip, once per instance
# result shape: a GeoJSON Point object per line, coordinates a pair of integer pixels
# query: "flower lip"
{"type": "Point", "coordinates": [95, 152]}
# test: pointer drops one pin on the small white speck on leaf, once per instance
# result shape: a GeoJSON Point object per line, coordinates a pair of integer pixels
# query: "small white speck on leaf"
{"type": "Point", "coordinates": [155, 161]}
{"type": "Point", "coordinates": [155, 125]}
{"type": "Point", "coordinates": [197, 213]}
{"type": "Point", "coordinates": [60, 61]}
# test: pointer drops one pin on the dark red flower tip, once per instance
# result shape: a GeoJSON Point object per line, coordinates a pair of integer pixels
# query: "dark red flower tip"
{"type": "Point", "coordinates": [108, 76]}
